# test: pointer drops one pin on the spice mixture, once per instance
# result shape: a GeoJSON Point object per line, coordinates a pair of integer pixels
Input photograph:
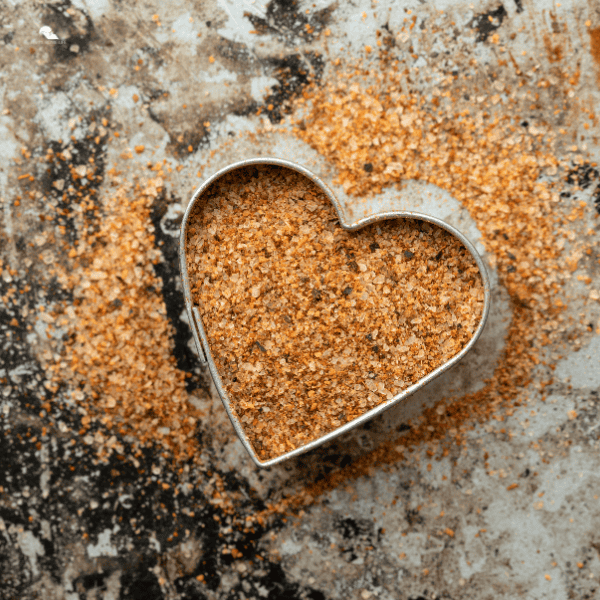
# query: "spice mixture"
{"type": "Point", "coordinates": [118, 371]}
{"type": "Point", "coordinates": [310, 325]}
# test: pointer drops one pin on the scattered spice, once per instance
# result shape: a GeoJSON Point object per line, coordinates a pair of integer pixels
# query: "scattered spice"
{"type": "Point", "coordinates": [111, 358]}
{"type": "Point", "coordinates": [272, 270]}
{"type": "Point", "coordinates": [479, 154]}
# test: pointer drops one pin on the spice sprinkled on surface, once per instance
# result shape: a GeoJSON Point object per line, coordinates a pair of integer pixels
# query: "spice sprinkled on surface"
{"type": "Point", "coordinates": [111, 357]}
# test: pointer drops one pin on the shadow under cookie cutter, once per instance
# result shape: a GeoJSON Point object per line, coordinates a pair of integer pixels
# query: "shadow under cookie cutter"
{"type": "Point", "coordinates": [201, 338]}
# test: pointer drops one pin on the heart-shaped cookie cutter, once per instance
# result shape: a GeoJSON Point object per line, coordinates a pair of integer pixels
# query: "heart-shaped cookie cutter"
{"type": "Point", "coordinates": [201, 339]}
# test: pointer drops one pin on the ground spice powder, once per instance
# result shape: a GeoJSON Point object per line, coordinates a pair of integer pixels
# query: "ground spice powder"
{"type": "Point", "coordinates": [310, 325]}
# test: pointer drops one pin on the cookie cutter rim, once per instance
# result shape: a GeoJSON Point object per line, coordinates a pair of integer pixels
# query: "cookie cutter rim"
{"type": "Point", "coordinates": [201, 338]}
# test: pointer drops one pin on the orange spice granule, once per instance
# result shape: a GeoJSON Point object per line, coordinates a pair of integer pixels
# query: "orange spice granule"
{"type": "Point", "coordinates": [311, 325]}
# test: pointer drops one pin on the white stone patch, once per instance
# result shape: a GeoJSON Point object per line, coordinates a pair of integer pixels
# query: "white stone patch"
{"type": "Point", "coordinates": [568, 479]}
{"type": "Point", "coordinates": [290, 547]}
{"type": "Point", "coordinates": [238, 27]}
{"type": "Point", "coordinates": [25, 369]}
{"type": "Point", "coordinates": [31, 547]}
{"type": "Point", "coordinates": [219, 77]}
{"type": "Point", "coordinates": [314, 6]}
{"type": "Point", "coordinates": [582, 367]}
{"type": "Point", "coordinates": [44, 483]}
{"type": "Point", "coordinates": [554, 411]}
{"type": "Point", "coordinates": [154, 542]}
{"type": "Point", "coordinates": [185, 30]}
{"type": "Point", "coordinates": [53, 117]}
{"type": "Point", "coordinates": [235, 124]}
{"type": "Point", "coordinates": [95, 8]}
{"type": "Point", "coordinates": [113, 586]}
{"type": "Point", "coordinates": [173, 211]}
{"type": "Point", "coordinates": [40, 328]}
{"type": "Point", "coordinates": [103, 547]}
{"type": "Point", "coordinates": [261, 86]}
{"type": "Point", "coordinates": [125, 99]}
{"type": "Point", "coordinates": [9, 147]}
{"type": "Point", "coordinates": [46, 531]}
{"type": "Point", "coordinates": [7, 221]}
{"type": "Point", "coordinates": [181, 29]}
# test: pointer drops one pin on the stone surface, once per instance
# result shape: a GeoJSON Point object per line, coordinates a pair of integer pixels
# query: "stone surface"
{"type": "Point", "coordinates": [458, 527]}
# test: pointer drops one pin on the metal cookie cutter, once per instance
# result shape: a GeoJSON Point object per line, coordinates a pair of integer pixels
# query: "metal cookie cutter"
{"type": "Point", "coordinates": [202, 341]}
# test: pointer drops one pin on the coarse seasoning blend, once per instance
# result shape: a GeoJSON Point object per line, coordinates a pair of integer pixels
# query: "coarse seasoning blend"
{"type": "Point", "coordinates": [311, 325]}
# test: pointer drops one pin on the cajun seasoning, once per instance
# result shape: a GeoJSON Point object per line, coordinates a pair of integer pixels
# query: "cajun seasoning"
{"type": "Point", "coordinates": [311, 325]}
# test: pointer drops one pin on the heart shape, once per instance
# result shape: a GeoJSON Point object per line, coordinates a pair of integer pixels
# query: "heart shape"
{"type": "Point", "coordinates": [311, 326]}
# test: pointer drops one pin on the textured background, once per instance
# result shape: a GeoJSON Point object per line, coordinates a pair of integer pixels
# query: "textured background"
{"type": "Point", "coordinates": [195, 74]}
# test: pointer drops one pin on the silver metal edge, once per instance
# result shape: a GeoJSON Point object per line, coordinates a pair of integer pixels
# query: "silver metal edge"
{"type": "Point", "coordinates": [202, 340]}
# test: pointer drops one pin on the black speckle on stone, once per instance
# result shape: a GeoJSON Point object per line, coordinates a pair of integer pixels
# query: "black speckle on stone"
{"type": "Point", "coordinates": [488, 22]}
{"type": "Point", "coordinates": [519, 4]}
{"type": "Point", "coordinates": [369, 337]}
{"type": "Point", "coordinates": [8, 38]}
{"type": "Point", "coordinates": [368, 167]}
{"type": "Point", "coordinates": [260, 346]}
{"type": "Point", "coordinates": [413, 517]}
{"type": "Point", "coordinates": [583, 176]}
{"type": "Point", "coordinates": [285, 20]}
{"type": "Point", "coordinates": [345, 460]}
{"type": "Point", "coordinates": [90, 582]}
{"type": "Point", "coordinates": [376, 349]}
{"type": "Point", "coordinates": [83, 152]}
{"type": "Point", "coordinates": [511, 256]}
{"type": "Point", "coordinates": [374, 246]}
{"type": "Point", "coordinates": [402, 427]}
{"type": "Point", "coordinates": [526, 473]}
{"type": "Point", "coordinates": [21, 243]}
{"type": "Point", "coordinates": [347, 291]}
{"type": "Point", "coordinates": [140, 583]}
{"type": "Point", "coordinates": [524, 123]}
{"type": "Point", "coordinates": [192, 593]}
{"type": "Point", "coordinates": [408, 254]}
{"type": "Point", "coordinates": [349, 528]}
{"type": "Point", "coordinates": [70, 34]}
{"type": "Point", "coordinates": [275, 581]}
{"type": "Point", "coordinates": [293, 73]}
{"type": "Point", "coordinates": [511, 269]}
{"type": "Point", "coordinates": [438, 255]}
{"type": "Point", "coordinates": [208, 23]}
{"type": "Point", "coordinates": [168, 271]}
{"type": "Point", "coordinates": [317, 295]}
